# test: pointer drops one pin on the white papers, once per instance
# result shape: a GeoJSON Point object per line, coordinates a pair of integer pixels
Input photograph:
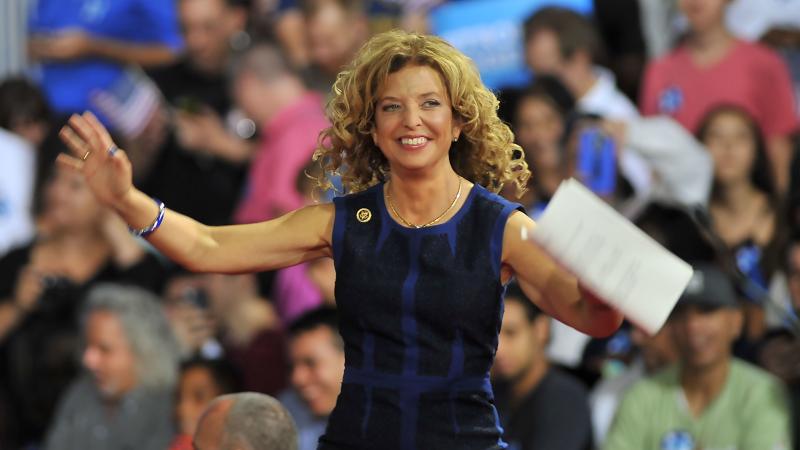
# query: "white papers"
{"type": "Point", "coordinates": [610, 256]}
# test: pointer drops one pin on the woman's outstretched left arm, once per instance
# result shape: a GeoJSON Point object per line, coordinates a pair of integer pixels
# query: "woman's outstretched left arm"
{"type": "Point", "coordinates": [554, 290]}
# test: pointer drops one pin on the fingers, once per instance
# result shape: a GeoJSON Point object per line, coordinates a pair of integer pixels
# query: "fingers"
{"type": "Point", "coordinates": [82, 128]}
{"type": "Point", "coordinates": [75, 144]}
{"type": "Point", "coordinates": [95, 147]}
{"type": "Point", "coordinates": [98, 128]}
{"type": "Point", "coordinates": [87, 139]}
{"type": "Point", "coordinates": [69, 162]}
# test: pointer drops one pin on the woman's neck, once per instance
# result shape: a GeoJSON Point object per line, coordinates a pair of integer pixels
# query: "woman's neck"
{"type": "Point", "coordinates": [710, 45]}
{"type": "Point", "coordinates": [736, 197]}
{"type": "Point", "coordinates": [420, 199]}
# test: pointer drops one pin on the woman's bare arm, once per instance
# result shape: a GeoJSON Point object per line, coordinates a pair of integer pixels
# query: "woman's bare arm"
{"type": "Point", "coordinates": [554, 290]}
{"type": "Point", "coordinates": [296, 237]}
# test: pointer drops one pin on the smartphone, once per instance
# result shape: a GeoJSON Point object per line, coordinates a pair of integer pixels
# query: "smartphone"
{"type": "Point", "coordinates": [597, 161]}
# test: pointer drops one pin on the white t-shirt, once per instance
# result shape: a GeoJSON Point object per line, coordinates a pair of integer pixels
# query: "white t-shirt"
{"type": "Point", "coordinates": [750, 19]}
{"type": "Point", "coordinates": [17, 177]}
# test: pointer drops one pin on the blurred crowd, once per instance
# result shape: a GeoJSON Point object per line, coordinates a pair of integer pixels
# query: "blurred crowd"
{"type": "Point", "coordinates": [681, 114]}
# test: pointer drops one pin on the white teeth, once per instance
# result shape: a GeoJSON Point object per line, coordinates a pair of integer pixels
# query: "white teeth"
{"type": "Point", "coordinates": [413, 141]}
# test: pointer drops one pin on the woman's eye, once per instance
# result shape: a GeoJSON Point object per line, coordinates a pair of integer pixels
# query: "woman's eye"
{"type": "Point", "coordinates": [391, 107]}
{"type": "Point", "coordinates": [431, 103]}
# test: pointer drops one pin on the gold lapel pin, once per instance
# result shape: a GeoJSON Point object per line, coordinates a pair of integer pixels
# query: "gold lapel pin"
{"type": "Point", "coordinates": [364, 215]}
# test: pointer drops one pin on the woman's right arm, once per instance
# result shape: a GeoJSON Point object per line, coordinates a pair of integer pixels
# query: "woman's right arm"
{"type": "Point", "coordinates": [296, 237]}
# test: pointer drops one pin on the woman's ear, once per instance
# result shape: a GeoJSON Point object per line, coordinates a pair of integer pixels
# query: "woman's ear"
{"type": "Point", "coordinates": [456, 129]}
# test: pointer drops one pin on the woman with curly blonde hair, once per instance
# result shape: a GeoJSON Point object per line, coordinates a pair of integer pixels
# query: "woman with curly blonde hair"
{"type": "Point", "coordinates": [486, 154]}
{"type": "Point", "coordinates": [422, 248]}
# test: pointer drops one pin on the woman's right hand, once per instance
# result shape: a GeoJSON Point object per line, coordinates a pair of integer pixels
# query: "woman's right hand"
{"type": "Point", "coordinates": [105, 168]}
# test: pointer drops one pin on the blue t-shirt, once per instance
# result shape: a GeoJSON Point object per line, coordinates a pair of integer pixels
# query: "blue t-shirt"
{"type": "Point", "coordinates": [68, 85]}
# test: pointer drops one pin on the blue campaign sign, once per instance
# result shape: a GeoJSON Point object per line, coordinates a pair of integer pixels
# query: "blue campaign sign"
{"type": "Point", "coordinates": [490, 32]}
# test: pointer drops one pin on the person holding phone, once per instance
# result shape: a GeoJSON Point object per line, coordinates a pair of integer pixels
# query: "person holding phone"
{"type": "Point", "coordinates": [422, 246]}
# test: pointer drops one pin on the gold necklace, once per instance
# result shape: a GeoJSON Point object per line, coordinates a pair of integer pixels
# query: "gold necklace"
{"type": "Point", "coordinates": [432, 222]}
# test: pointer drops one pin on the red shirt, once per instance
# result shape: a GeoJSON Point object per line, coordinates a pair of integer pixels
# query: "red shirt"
{"type": "Point", "coordinates": [286, 147]}
{"type": "Point", "coordinates": [750, 76]}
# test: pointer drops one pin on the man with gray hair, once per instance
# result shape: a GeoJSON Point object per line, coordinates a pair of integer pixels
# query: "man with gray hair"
{"type": "Point", "coordinates": [126, 400]}
{"type": "Point", "coordinates": [245, 421]}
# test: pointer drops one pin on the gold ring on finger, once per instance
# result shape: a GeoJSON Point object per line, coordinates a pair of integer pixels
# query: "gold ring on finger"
{"type": "Point", "coordinates": [86, 155]}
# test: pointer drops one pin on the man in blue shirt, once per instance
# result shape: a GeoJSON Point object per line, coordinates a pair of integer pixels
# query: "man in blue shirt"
{"type": "Point", "coordinates": [85, 45]}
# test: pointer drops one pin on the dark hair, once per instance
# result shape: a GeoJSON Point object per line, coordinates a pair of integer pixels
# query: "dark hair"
{"type": "Point", "coordinates": [680, 232]}
{"type": "Point", "coordinates": [514, 293]}
{"type": "Point", "coordinates": [21, 102]}
{"type": "Point", "coordinates": [324, 316]}
{"type": "Point", "coordinates": [760, 174]}
{"type": "Point", "coordinates": [224, 374]}
{"type": "Point", "coordinates": [574, 31]}
{"type": "Point", "coordinates": [551, 90]}
{"type": "Point", "coordinates": [761, 178]}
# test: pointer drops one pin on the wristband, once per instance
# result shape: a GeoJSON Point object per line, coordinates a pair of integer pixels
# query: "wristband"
{"type": "Point", "coordinates": [144, 232]}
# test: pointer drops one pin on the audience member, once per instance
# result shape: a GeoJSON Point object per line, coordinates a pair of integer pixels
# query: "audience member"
{"type": "Point", "coordinates": [540, 407]}
{"type": "Point", "coordinates": [245, 421]}
{"type": "Point", "coordinates": [126, 401]}
{"type": "Point", "coordinates": [249, 330]}
{"type": "Point", "coordinates": [316, 351]}
{"type": "Point", "coordinates": [539, 123]}
{"type": "Point", "coordinates": [335, 30]}
{"type": "Point", "coordinates": [42, 285]}
{"type": "Point", "coordinates": [654, 353]}
{"type": "Point", "coordinates": [744, 206]}
{"type": "Point", "coordinates": [686, 84]}
{"type": "Point", "coordinates": [709, 399]}
{"type": "Point", "coordinates": [291, 117]}
{"type": "Point", "coordinates": [197, 85]}
{"type": "Point", "coordinates": [86, 45]}
{"type": "Point", "coordinates": [201, 381]}
{"type": "Point", "coordinates": [563, 43]}
{"type": "Point", "coordinates": [199, 168]}
{"type": "Point", "coordinates": [24, 123]}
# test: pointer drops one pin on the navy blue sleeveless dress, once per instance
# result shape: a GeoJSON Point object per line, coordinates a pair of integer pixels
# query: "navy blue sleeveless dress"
{"type": "Point", "coordinates": [420, 312]}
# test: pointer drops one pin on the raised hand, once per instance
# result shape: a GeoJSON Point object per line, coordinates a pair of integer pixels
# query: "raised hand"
{"type": "Point", "coordinates": [105, 168]}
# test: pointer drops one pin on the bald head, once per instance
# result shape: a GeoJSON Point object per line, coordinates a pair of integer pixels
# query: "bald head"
{"type": "Point", "coordinates": [245, 421]}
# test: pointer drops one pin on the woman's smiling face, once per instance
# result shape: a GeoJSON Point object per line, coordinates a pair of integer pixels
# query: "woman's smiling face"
{"type": "Point", "coordinates": [414, 122]}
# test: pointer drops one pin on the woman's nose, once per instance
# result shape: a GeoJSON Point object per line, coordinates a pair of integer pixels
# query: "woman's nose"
{"type": "Point", "coordinates": [411, 117]}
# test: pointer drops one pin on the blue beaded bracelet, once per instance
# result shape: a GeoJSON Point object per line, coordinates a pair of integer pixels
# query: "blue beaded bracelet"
{"type": "Point", "coordinates": [144, 232]}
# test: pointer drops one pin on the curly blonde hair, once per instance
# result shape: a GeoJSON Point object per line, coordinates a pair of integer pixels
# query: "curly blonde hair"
{"type": "Point", "coordinates": [486, 153]}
